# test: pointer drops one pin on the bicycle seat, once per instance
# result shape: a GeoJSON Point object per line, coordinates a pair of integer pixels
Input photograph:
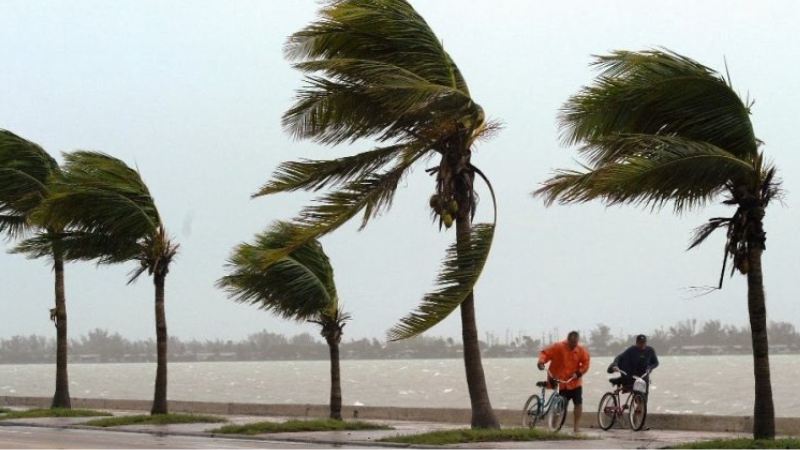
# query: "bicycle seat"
{"type": "Point", "coordinates": [616, 381]}
{"type": "Point", "coordinates": [541, 384]}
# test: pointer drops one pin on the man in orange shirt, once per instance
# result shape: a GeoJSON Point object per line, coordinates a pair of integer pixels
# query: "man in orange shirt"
{"type": "Point", "coordinates": [568, 361]}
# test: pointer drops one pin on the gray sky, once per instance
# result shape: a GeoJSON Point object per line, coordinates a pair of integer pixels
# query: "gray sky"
{"type": "Point", "coordinates": [192, 92]}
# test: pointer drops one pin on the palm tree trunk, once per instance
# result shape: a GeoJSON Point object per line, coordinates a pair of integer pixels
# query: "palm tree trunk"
{"type": "Point", "coordinates": [160, 397]}
{"type": "Point", "coordinates": [336, 383]}
{"type": "Point", "coordinates": [482, 414]}
{"type": "Point", "coordinates": [763, 410]}
{"type": "Point", "coordinates": [61, 398]}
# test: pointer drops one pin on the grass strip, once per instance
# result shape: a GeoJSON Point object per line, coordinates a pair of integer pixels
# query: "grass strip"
{"type": "Point", "coordinates": [743, 443]}
{"type": "Point", "coordinates": [158, 419]}
{"type": "Point", "coordinates": [294, 426]}
{"type": "Point", "coordinates": [54, 412]}
{"type": "Point", "coordinates": [466, 436]}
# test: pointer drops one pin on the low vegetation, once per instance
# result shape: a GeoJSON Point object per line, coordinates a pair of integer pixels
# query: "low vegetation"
{"type": "Point", "coordinates": [293, 426]}
{"type": "Point", "coordinates": [54, 412]}
{"type": "Point", "coordinates": [744, 443]}
{"type": "Point", "coordinates": [157, 419]}
{"type": "Point", "coordinates": [466, 436]}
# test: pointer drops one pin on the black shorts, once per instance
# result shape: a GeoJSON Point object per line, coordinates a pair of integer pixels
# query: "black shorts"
{"type": "Point", "coordinates": [576, 395]}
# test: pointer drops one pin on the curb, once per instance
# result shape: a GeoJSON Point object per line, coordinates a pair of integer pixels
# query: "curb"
{"type": "Point", "coordinates": [259, 437]}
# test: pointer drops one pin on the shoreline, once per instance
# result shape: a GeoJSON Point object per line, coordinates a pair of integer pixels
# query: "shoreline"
{"type": "Point", "coordinates": [789, 426]}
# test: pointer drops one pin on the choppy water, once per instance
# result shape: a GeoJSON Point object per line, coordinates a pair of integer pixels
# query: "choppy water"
{"type": "Point", "coordinates": [687, 384]}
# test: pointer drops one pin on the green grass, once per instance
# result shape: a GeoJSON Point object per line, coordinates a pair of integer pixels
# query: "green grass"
{"type": "Point", "coordinates": [4, 410]}
{"type": "Point", "coordinates": [158, 419]}
{"type": "Point", "coordinates": [55, 412]}
{"type": "Point", "coordinates": [743, 443]}
{"type": "Point", "coordinates": [293, 426]}
{"type": "Point", "coordinates": [466, 436]}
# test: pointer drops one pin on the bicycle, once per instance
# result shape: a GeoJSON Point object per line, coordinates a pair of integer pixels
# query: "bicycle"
{"type": "Point", "coordinates": [554, 409]}
{"type": "Point", "coordinates": [612, 409]}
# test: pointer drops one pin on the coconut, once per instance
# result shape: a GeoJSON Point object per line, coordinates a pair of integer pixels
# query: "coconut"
{"type": "Point", "coordinates": [447, 219]}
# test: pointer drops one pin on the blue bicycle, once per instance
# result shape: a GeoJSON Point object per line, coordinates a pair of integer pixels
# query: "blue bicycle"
{"type": "Point", "coordinates": [554, 409]}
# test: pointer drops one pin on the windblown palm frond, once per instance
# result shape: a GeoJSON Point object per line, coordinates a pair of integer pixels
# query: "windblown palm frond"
{"type": "Point", "coordinates": [659, 93]}
{"type": "Point", "coordinates": [299, 286]}
{"type": "Point", "coordinates": [651, 171]}
{"type": "Point", "coordinates": [315, 175]}
{"type": "Point", "coordinates": [375, 69]}
{"type": "Point", "coordinates": [462, 268]}
{"type": "Point", "coordinates": [24, 172]}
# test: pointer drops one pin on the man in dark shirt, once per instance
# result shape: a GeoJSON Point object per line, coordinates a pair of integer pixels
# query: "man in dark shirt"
{"type": "Point", "coordinates": [639, 359]}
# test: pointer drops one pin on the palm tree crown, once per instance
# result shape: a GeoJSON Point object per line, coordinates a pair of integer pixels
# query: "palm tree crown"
{"type": "Point", "coordinates": [108, 213]}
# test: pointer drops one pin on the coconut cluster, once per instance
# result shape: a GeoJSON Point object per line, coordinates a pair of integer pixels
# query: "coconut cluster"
{"type": "Point", "coordinates": [445, 207]}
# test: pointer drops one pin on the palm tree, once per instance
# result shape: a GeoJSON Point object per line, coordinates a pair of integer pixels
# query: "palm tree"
{"type": "Point", "coordinates": [375, 69]}
{"type": "Point", "coordinates": [111, 218]}
{"type": "Point", "coordinates": [657, 127]}
{"type": "Point", "coordinates": [25, 170]}
{"type": "Point", "coordinates": [299, 286]}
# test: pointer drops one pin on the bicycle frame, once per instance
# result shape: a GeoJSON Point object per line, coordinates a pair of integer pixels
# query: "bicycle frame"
{"type": "Point", "coordinates": [545, 404]}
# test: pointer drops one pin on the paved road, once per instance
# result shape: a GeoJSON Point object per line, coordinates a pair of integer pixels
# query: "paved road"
{"type": "Point", "coordinates": [36, 437]}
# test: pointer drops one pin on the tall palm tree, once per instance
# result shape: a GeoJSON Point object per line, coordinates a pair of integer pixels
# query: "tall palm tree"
{"type": "Point", "coordinates": [299, 286]}
{"type": "Point", "coordinates": [25, 170]}
{"type": "Point", "coordinates": [375, 69]}
{"type": "Point", "coordinates": [658, 128]}
{"type": "Point", "coordinates": [110, 217]}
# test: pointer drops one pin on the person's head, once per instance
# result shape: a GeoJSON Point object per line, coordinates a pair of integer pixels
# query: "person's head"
{"type": "Point", "coordinates": [572, 339]}
{"type": "Point", "coordinates": [641, 341]}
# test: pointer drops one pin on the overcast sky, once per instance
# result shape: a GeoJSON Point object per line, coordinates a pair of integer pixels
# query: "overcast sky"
{"type": "Point", "coordinates": [192, 93]}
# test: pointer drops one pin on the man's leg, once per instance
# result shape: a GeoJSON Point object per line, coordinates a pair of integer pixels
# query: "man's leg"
{"type": "Point", "coordinates": [577, 402]}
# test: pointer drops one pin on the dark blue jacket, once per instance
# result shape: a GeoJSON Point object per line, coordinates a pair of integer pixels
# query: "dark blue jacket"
{"type": "Point", "coordinates": [635, 362]}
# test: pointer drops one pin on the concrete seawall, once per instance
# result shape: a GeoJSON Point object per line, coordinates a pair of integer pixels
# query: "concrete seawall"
{"type": "Point", "coordinates": [688, 422]}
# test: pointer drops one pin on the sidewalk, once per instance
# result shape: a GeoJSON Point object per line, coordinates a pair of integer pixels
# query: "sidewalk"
{"type": "Point", "coordinates": [615, 438]}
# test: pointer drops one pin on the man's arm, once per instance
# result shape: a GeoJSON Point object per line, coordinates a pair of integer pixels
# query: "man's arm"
{"type": "Point", "coordinates": [544, 357]}
{"type": "Point", "coordinates": [614, 363]}
{"type": "Point", "coordinates": [583, 363]}
{"type": "Point", "coordinates": [653, 361]}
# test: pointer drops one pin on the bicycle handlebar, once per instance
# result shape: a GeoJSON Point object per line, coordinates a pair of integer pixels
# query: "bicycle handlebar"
{"type": "Point", "coordinates": [550, 374]}
{"type": "Point", "coordinates": [633, 376]}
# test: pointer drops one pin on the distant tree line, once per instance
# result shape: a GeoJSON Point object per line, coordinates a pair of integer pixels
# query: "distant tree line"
{"type": "Point", "coordinates": [690, 337]}
{"type": "Point", "coordinates": [685, 337]}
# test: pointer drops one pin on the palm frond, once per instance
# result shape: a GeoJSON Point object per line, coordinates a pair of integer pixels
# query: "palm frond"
{"type": "Point", "coordinates": [315, 175]}
{"type": "Point", "coordinates": [375, 68]}
{"type": "Point", "coordinates": [652, 171]}
{"type": "Point", "coordinates": [13, 226]}
{"type": "Point", "coordinates": [79, 246]}
{"type": "Point", "coordinates": [704, 231]}
{"type": "Point", "coordinates": [24, 171]}
{"type": "Point", "coordinates": [298, 286]}
{"type": "Point", "coordinates": [461, 269]}
{"type": "Point", "coordinates": [659, 93]}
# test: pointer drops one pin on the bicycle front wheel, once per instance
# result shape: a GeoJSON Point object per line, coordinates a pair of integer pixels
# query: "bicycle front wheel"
{"type": "Point", "coordinates": [531, 411]}
{"type": "Point", "coordinates": [638, 411]}
{"type": "Point", "coordinates": [607, 411]}
{"type": "Point", "coordinates": [557, 413]}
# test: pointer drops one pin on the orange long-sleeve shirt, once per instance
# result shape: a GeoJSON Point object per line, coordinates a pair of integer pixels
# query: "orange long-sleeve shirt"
{"type": "Point", "coordinates": [564, 362]}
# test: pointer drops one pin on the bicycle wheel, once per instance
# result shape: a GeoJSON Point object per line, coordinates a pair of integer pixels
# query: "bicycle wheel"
{"type": "Point", "coordinates": [638, 411]}
{"type": "Point", "coordinates": [607, 411]}
{"type": "Point", "coordinates": [531, 411]}
{"type": "Point", "coordinates": [557, 413]}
